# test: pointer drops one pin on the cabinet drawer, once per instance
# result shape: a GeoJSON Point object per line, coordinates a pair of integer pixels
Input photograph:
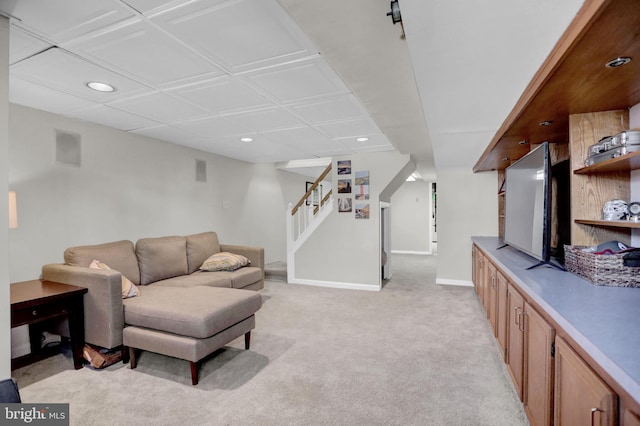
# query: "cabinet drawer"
{"type": "Point", "coordinates": [37, 313]}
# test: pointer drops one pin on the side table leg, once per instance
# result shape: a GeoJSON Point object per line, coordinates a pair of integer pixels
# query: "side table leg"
{"type": "Point", "coordinates": [76, 331]}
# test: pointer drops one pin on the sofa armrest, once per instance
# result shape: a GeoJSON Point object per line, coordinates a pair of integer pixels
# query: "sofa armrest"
{"type": "Point", "coordinates": [254, 254]}
{"type": "Point", "coordinates": [103, 311]}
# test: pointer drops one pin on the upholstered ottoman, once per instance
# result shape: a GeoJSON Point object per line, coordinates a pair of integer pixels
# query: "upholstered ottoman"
{"type": "Point", "coordinates": [188, 323]}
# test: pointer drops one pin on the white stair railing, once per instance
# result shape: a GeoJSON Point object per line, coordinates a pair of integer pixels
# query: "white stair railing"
{"type": "Point", "coordinates": [304, 217]}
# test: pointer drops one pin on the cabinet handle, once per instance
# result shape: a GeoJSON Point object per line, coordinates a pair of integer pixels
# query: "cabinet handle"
{"type": "Point", "coordinates": [593, 415]}
{"type": "Point", "coordinates": [522, 323]}
{"type": "Point", "coordinates": [517, 318]}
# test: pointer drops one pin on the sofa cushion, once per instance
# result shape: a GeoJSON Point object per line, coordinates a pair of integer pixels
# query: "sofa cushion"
{"type": "Point", "coordinates": [242, 277]}
{"type": "Point", "coordinates": [224, 261]}
{"type": "Point", "coordinates": [198, 312]}
{"type": "Point", "coordinates": [161, 258]}
{"type": "Point", "coordinates": [199, 247]}
{"type": "Point", "coordinates": [129, 289]}
{"type": "Point", "coordinates": [119, 255]}
{"type": "Point", "coordinates": [195, 279]}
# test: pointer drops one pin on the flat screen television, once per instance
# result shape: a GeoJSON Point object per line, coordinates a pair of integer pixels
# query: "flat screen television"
{"type": "Point", "coordinates": [527, 205]}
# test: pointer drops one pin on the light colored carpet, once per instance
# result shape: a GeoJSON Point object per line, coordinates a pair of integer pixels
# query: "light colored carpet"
{"type": "Point", "coordinates": [415, 353]}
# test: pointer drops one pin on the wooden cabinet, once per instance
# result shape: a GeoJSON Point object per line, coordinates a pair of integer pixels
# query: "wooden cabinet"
{"type": "Point", "coordinates": [581, 396]}
{"type": "Point", "coordinates": [630, 418]}
{"type": "Point", "coordinates": [492, 298]}
{"type": "Point", "coordinates": [515, 339]}
{"type": "Point", "coordinates": [502, 312]}
{"type": "Point", "coordinates": [530, 357]}
{"type": "Point", "coordinates": [538, 380]}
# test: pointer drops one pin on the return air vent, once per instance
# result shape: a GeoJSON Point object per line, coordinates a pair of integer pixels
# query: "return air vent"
{"type": "Point", "coordinates": [201, 171]}
{"type": "Point", "coordinates": [68, 148]}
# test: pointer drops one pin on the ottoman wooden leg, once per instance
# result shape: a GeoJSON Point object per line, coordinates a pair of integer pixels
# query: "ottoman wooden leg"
{"type": "Point", "coordinates": [247, 340]}
{"type": "Point", "coordinates": [132, 356]}
{"type": "Point", "coordinates": [194, 373]}
{"type": "Point", "coordinates": [125, 354]}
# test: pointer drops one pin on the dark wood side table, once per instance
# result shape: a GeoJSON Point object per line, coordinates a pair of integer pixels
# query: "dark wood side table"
{"type": "Point", "coordinates": [36, 301]}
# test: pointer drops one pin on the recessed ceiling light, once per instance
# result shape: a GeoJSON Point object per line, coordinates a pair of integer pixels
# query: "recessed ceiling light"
{"type": "Point", "coordinates": [362, 139]}
{"type": "Point", "coordinates": [100, 87]}
{"type": "Point", "coordinates": [246, 139]}
{"type": "Point", "coordinates": [546, 123]}
{"type": "Point", "coordinates": [523, 143]}
{"type": "Point", "coordinates": [618, 62]}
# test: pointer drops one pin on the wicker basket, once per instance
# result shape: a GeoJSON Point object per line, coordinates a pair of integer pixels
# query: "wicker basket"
{"type": "Point", "coordinates": [601, 269]}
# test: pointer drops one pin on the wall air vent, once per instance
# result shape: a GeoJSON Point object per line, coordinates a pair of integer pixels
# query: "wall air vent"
{"type": "Point", "coordinates": [68, 148]}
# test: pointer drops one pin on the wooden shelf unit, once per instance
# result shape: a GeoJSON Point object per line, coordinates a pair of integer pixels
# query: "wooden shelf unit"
{"type": "Point", "coordinates": [584, 100]}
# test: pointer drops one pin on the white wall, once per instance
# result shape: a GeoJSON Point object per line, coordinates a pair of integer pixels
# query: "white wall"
{"type": "Point", "coordinates": [467, 206]}
{"type": "Point", "coordinates": [410, 218]}
{"type": "Point", "coordinates": [5, 312]}
{"type": "Point", "coordinates": [345, 251]}
{"type": "Point", "coordinates": [130, 187]}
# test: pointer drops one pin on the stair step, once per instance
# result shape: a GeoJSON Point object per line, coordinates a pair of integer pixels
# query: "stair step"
{"type": "Point", "coordinates": [276, 271]}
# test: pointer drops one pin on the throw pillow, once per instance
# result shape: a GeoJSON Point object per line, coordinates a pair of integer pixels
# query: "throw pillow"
{"type": "Point", "coordinates": [128, 288]}
{"type": "Point", "coordinates": [224, 261]}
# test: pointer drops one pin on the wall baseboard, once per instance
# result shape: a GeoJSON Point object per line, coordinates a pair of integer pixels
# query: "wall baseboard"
{"type": "Point", "coordinates": [421, 253]}
{"type": "Point", "coordinates": [335, 284]}
{"type": "Point", "coordinates": [463, 283]}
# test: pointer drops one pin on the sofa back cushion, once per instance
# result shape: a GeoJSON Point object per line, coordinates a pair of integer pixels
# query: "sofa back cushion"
{"type": "Point", "coordinates": [119, 255]}
{"type": "Point", "coordinates": [161, 258]}
{"type": "Point", "coordinates": [200, 247]}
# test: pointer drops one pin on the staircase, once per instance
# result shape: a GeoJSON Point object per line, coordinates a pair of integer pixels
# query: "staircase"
{"type": "Point", "coordinates": [304, 218]}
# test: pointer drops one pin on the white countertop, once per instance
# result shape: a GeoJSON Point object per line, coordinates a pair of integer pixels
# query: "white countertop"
{"type": "Point", "coordinates": [603, 320]}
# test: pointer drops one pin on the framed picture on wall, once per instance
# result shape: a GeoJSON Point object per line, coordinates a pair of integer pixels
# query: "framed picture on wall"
{"type": "Point", "coordinates": [344, 167]}
{"type": "Point", "coordinates": [362, 185]}
{"type": "Point", "coordinates": [362, 211]}
{"type": "Point", "coordinates": [345, 204]}
{"type": "Point", "coordinates": [344, 186]}
{"type": "Point", "coordinates": [316, 195]}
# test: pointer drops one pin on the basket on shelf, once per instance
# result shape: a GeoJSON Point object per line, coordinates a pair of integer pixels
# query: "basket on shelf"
{"type": "Point", "coordinates": [601, 269]}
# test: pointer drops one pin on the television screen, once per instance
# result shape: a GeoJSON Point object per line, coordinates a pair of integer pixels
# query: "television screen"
{"type": "Point", "coordinates": [527, 209]}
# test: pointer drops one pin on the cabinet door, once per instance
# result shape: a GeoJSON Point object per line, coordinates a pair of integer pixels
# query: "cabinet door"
{"type": "Point", "coordinates": [474, 266]}
{"type": "Point", "coordinates": [630, 418]}
{"type": "Point", "coordinates": [581, 396]}
{"type": "Point", "coordinates": [538, 370]}
{"type": "Point", "coordinates": [492, 298]}
{"type": "Point", "coordinates": [515, 338]}
{"type": "Point", "coordinates": [502, 312]}
{"type": "Point", "coordinates": [486, 285]}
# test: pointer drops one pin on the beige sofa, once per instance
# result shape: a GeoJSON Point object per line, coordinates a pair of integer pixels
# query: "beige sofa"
{"type": "Point", "coordinates": [181, 310]}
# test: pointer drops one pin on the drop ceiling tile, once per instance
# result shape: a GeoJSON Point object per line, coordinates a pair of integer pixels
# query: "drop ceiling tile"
{"type": "Point", "coordinates": [212, 127]}
{"type": "Point", "coordinates": [63, 71]}
{"type": "Point", "coordinates": [306, 139]}
{"type": "Point", "coordinates": [266, 119]}
{"type": "Point", "coordinates": [222, 95]}
{"type": "Point", "coordinates": [302, 136]}
{"type": "Point", "coordinates": [303, 80]}
{"type": "Point", "coordinates": [255, 33]}
{"type": "Point", "coordinates": [159, 106]}
{"type": "Point", "coordinates": [150, 7]}
{"type": "Point", "coordinates": [23, 45]}
{"type": "Point", "coordinates": [62, 22]}
{"type": "Point", "coordinates": [351, 128]}
{"type": "Point", "coordinates": [373, 141]}
{"type": "Point", "coordinates": [29, 94]}
{"type": "Point", "coordinates": [339, 108]}
{"type": "Point", "coordinates": [110, 117]}
{"type": "Point", "coordinates": [141, 51]}
{"type": "Point", "coordinates": [168, 134]}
